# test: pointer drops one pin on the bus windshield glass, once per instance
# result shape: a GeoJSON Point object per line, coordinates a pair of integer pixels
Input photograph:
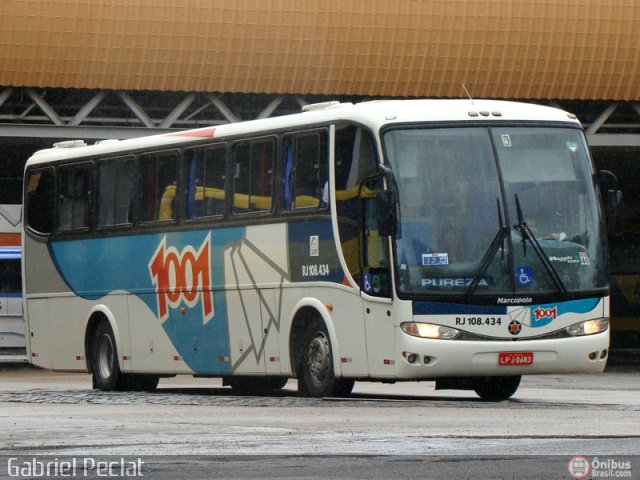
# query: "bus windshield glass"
{"type": "Point", "coordinates": [495, 210]}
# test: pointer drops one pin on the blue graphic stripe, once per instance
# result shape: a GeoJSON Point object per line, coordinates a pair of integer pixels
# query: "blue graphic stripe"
{"type": "Point", "coordinates": [440, 308]}
{"type": "Point", "coordinates": [93, 268]}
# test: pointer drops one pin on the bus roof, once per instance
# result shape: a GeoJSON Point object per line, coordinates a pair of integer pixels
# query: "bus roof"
{"type": "Point", "coordinates": [373, 114]}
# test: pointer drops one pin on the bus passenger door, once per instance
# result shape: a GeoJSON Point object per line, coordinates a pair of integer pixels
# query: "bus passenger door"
{"type": "Point", "coordinates": [376, 290]}
{"type": "Point", "coordinates": [357, 180]}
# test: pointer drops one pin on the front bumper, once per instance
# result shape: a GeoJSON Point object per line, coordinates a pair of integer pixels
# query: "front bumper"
{"type": "Point", "coordinates": [451, 358]}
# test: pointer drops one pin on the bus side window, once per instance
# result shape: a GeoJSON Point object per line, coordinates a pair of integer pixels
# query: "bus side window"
{"type": "Point", "coordinates": [74, 194]}
{"type": "Point", "coordinates": [206, 182]}
{"type": "Point", "coordinates": [159, 180]}
{"type": "Point", "coordinates": [40, 200]}
{"type": "Point", "coordinates": [115, 191]}
{"type": "Point", "coordinates": [306, 170]}
{"type": "Point", "coordinates": [253, 163]}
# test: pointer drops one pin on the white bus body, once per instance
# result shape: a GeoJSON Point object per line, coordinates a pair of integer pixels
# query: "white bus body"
{"type": "Point", "coordinates": [383, 241]}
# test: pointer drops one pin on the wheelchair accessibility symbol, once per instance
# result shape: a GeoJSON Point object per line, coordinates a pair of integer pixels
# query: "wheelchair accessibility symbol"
{"type": "Point", "coordinates": [367, 282]}
{"type": "Point", "coordinates": [372, 283]}
{"type": "Point", "coordinates": [524, 275]}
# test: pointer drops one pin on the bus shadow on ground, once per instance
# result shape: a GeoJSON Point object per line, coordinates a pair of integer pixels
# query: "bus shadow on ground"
{"type": "Point", "coordinates": [293, 394]}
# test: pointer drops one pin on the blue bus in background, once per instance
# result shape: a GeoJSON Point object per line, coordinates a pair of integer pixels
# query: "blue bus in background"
{"type": "Point", "coordinates": [12, 326]}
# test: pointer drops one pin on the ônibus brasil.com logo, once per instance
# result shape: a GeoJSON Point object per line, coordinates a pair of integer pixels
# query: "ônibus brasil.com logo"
{"type": "Point", "coordinates": [582, 467]}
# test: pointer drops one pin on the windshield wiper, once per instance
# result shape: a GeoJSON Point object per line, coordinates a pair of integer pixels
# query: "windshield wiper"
{"type": "Point", "coordinates": [487, 258]}
{"type": "Point", "coordinates": [527, 234]}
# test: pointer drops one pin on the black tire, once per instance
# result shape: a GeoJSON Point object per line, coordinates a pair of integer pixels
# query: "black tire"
{"type": "Point", "coordinates": [496, 389]}
{"type": "Point", "coordinates": [316, 372]}
{"type": "Point", "coordinates": [105, 369]}
{"type": "Point", "coordinates": [104, 360]}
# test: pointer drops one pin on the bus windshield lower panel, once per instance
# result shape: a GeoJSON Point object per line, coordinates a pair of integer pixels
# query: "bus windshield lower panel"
{"type": "Point", "coordinates": [495, 210]}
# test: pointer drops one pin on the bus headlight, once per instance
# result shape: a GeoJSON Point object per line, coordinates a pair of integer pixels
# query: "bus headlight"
{"type": "Point", "coordinates": [429, 330]}
{"type": "Point", "coordinates": [589, 327]}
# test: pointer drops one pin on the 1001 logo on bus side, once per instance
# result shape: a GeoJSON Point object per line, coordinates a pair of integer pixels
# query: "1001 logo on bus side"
{"type": "Point", "coordinates": [182, 277]}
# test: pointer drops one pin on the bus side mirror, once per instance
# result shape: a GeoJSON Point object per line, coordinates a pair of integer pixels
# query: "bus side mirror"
{"type": "Point", "coordinates": [386, 213]}
{"type": "Point", "coordinates": [613, 213]}
{"type": "Point", "coordinates": [612, 200]}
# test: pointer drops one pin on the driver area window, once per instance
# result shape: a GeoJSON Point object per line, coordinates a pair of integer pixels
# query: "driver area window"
{"type": "Point", "coordinates": [365, 252]}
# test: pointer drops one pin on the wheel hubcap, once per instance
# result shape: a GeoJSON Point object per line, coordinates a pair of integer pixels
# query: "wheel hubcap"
{"type": "Point", "coordinates": [105, 356]}
{"type": "Point", "coordinates": [318, 357]}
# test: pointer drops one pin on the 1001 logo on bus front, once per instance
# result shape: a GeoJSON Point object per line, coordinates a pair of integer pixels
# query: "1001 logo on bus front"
{"type": "Point", "coordinates": [182, 277]}
{"type": "Point", "coordinates": [543, 316]}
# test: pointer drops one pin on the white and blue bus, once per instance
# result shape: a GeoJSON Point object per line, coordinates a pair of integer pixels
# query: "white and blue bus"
{"type": "Point", "coordinates": [444, 240]}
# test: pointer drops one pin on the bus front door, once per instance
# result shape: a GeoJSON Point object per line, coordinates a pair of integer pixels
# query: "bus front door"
{"type": "Point", "coordinates": [376, 296]}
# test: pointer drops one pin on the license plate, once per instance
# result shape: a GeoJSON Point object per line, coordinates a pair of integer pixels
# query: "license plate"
{"type": "Point", "coordinates": [508, 359]}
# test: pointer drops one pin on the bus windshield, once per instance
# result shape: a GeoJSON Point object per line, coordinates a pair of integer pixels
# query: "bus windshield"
{"type": "Point", "coordinates": [495, 210]}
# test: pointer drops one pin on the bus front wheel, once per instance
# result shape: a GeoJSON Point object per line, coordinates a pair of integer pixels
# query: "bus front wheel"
{"type": "Point", "coordinates": [317, 377]}
{"type": "Point", "coordinates": [496, 389]}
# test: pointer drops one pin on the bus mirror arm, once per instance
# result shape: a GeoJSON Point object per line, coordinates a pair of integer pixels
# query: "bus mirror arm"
{"type": "Point", "coordinates": [386, 204]}
{"type": "Point", "coordinates": [390, 180]}
{"type": "Point", "coordinates": [612, 200]}
{"type": "Point", "coordinates": [386, 212]}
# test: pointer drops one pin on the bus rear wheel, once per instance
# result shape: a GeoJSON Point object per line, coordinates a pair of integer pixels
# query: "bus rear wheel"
{"type": "Point", "coordinates": [317, 376]}
{"type": "Point", "coordinates": [496, 389]}
{"type": "Point", "coordinates": [104, 360]}
{"type": "Point", "coordinates": [105, 369]}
